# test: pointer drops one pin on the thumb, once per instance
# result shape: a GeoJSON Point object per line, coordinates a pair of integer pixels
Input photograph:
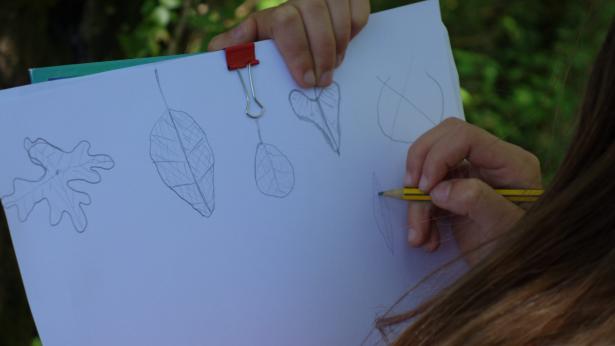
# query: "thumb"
{"type": "Point", "coordinates": [478, 201]}
{"type": "Point", "coordinates": [243, 33]}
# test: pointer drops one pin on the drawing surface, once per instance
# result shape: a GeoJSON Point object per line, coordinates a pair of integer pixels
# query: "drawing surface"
{"type": "Point", "coordinates": [61, 169]}
{"type": "Point", "coordinates": [206, 206]}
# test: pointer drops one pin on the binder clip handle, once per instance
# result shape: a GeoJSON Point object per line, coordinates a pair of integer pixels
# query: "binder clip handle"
{"type": "Point", "coordinates": [239, 57]}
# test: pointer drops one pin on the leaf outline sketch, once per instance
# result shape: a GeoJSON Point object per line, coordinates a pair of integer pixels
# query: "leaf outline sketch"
{"type": "Point", "coordinates": [273, 172]}
{"type": "Point", "coordinates": [322, 110]}
{"type": "Point", "coordinates": [60, 169]}
{"type": "Point", "coordinates": [183, 157]}
{"type": "Point", "coordinates": [382, 214]}
{"type": "Point", "coordinates": [389, 131]}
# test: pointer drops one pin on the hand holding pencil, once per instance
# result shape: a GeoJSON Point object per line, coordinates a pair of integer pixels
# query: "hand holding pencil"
{"type": "Point", "coordinates": [456, 167]}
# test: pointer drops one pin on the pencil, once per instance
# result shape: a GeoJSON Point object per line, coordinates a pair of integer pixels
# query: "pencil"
{"type": "Point", "coordinates": [513, 195]}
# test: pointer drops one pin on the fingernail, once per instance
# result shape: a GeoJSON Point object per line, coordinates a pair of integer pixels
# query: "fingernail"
{"type": "Point", "coordinates": [441, 192]}
{"type": "Point", "coordinates": [412, 236]}
{"type": "Point", "coordinates": [326, 78]}
{"type": "Point", "coordinates": [340, 59]}
{"type": "Point", "coordinates": [424, 184]}
{"type": "Point", "coordinates": [407, 180]}
{"type": "Point", "coordinates": [309, 78]}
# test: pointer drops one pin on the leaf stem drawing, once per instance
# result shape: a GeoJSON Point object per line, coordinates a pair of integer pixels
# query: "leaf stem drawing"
{"type": "Point", "coordinates": [183, 157]}
{"type": "Point", "coordinates": [61, 169]}
{"type": "Point", "coordinates": [274, 174]}
{"type": "Point", "coordinates": [322, 110]}
{"type": "Point", "coordinates": [395, 126]}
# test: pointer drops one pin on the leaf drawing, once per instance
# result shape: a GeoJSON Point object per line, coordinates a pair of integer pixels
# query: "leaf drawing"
{"type": "Point", "coordinates": [274, 173]}
{"type": "Point", "coordinates": [60, 170]}
{"type": "Point", "coordinates": [322, 110]}
{"type": "Point", "coordinates": [382, 213]}
{"type": "Point", "coordinates": [184, 159]}
{"type": "Point", "coordinates": [400, 118]}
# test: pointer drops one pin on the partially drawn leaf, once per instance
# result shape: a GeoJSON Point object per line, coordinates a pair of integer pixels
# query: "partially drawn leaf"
{"type": "Point", "coordinates": [322, 110]}
{"type": "Point", "coordinates": [408, 106]}
{"type": "Point", "coordinates": [274, 173]}
{"type": "Point", "coordinates": [61, 169]}
{"type": "Point", "coordinates": [382, 214]}
{"type": "Point", "coordinates": [184, 159]}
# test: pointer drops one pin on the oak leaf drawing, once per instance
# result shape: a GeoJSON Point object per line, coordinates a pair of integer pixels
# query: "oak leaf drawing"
{"type": "Point", "coordinates": [60, 170]}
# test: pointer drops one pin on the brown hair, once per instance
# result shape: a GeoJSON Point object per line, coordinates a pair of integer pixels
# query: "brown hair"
{"type": "Point", "coordinates": [550, 280]}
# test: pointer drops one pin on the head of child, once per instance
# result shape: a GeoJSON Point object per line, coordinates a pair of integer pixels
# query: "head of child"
{"type": "Point", "coordinates": [551, 279]}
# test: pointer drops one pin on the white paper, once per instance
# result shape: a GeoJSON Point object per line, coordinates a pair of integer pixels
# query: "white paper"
{"type": "Point", "coordinates": [310, 260]}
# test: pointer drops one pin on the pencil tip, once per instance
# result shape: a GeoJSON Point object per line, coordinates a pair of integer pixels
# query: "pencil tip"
{"type": "Point", "coordinates": [381, 193]}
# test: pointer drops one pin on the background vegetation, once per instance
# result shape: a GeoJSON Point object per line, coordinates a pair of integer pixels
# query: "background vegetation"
{"type": "Point", "coordinates": [522, 65]}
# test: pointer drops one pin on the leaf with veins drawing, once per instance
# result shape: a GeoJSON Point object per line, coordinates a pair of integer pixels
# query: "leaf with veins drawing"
{"type": "Point", "coordinates": [184, 159]}
{"type": "Point", "coordinates": [61, 169]}
{"type": "Point", "coordinates": [274, 174]}
{"type": "Point", "coordinates": [322, 110]}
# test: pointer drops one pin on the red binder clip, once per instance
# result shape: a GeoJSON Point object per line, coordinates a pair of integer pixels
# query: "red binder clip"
{"type": "Point", "coordinates": [239, 57]}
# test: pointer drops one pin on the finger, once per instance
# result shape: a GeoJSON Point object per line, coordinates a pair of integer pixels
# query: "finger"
{"type": "Point", "coordinates": [478, 201]}
{"type": "Point", "coordinates": [289, 33]}
{"type": "Point", "coordinates": [505, 164]}
{"type": "Point", "coordinates": [359, 10]}
{"type": "Point", "coordinates": [341, 21]}
{"type": "Point", "coordinates": [434, 239]}
{"type": "Point", "coordinates": [320, 37]}
{"type": "Point", "coordinates": [419, 223]}
{"type": "Point", "coordinates": [285, 25]}
{"type": "Point", "coordinates": [419, 149]}
{"type": "Point", "coordinates": [249, 30]}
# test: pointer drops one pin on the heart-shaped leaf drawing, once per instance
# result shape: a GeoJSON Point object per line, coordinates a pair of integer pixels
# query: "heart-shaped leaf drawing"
{"type": "Point", "coordinates": [322, 110]}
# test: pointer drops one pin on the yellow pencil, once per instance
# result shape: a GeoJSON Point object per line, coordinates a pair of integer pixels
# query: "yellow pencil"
{"type": "Point", "coordinates": [513, 195]}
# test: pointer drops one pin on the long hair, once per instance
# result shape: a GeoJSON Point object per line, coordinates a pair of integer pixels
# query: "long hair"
{"type": "Point", "coordinates": [551, 279]}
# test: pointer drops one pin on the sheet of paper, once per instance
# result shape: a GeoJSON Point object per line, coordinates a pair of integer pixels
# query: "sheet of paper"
{"type": "Point", "coordinates": [146, 208]}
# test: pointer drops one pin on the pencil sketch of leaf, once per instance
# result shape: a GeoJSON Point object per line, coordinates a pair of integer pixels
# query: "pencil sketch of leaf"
{"type": "Point", "coordinates": [382, 213]}
{"type": "Point", "coordinates": [184, 159]}
{"type": "Point", "coordinates": [322, 110]}
{"type": "Point", "coordinates": [60, 170]}
{"type": "Point", "coordinates": [402, 115]}
{"type": "Point", "coordinates": [274, 173]}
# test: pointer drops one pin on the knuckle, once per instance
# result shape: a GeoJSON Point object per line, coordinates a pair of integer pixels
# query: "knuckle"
{"type": "Point", "coordinates": [285, 15]}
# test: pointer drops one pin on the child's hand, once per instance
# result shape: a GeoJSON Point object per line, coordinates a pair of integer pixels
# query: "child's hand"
{"type": "Point", "coordinates": [458, 164]}
{"type": "Point", "coordinates": [312, 35]}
